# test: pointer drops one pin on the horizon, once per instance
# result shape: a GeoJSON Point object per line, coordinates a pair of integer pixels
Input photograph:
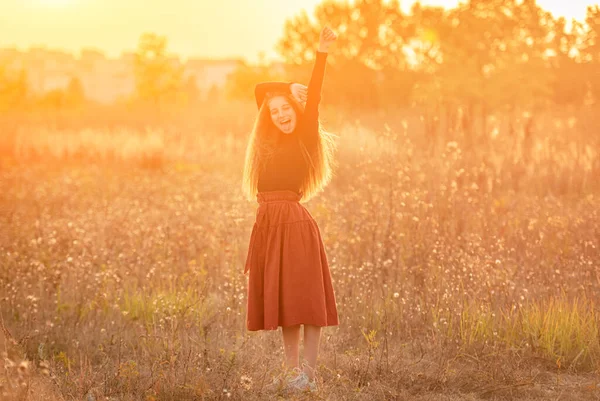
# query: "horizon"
{"type": "Point", "coordinates": [89, 19]}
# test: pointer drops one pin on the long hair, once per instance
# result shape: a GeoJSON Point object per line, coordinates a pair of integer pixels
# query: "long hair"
{"type": "Point", "coordinates": [262, 145]}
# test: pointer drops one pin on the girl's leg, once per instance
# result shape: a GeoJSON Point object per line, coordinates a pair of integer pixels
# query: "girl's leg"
{"type": "Point", "coordinates": [312, 335]}
{"type": "Point", "coordinates": [291, 344]}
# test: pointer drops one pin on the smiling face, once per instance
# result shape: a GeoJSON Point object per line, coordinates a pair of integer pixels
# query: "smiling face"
{"type": "Point", "coordinates": [283, 114]}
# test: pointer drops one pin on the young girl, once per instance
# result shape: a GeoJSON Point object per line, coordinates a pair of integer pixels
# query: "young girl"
{"type": "Point", "coordinates": [288, 160]}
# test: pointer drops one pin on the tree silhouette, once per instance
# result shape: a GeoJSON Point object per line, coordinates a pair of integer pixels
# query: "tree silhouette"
{"type": "Point", "coordinates": [368, 49]}
{"type": "Point", "coordinates": [158, 78]}
{"type": "Point", "coordinates": [240, 83]}
{"type": "Point", "coordinates": [482, 58]}
{"type": "Point", "coordinates": [14, 90]}
{"type": "Point", "coordinates": [591, 50]}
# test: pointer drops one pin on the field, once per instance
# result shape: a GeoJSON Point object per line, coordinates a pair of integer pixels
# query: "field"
{"type": "Point", "coordinates": [460, 273]}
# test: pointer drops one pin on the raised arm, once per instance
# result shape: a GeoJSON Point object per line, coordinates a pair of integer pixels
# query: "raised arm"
{"type": "Point", "coordinates": [311, 110]}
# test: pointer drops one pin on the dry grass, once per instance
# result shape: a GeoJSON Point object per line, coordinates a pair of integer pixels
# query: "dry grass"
{"type": "Point", "coordinates": [458, 275]}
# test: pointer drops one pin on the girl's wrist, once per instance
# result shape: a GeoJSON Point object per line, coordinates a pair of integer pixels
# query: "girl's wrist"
{"type": "Point", "coordinates": [323, 48]}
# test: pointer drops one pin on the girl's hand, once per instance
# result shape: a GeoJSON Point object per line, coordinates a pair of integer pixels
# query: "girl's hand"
{"type": "Point", "coordinates": [299, 91]}
{"type": "Point", "coordinates": [326, 38]}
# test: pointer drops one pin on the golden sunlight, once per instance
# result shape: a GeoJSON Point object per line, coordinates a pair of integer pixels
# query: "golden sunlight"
{"type": "Point", "coordinates": [183, 180]}
{"type": "Point", "coordinates": [80, 23]}
{"type": "Point", "coordinates": [54, 3]}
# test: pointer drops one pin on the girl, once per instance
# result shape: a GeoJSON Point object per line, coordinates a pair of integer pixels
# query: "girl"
{"type": "Point", "coordinates": [289, 159]}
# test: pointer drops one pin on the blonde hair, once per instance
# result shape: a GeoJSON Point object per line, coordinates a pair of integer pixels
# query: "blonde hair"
{"type": "Point", "coordinates": [262, 145]}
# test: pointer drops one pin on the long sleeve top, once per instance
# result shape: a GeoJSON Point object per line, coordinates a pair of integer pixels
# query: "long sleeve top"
{"type": "Point", "coordinates": [287, 168]}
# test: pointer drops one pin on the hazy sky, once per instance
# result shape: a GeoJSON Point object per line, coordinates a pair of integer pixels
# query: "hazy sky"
{"type": "Point", "coordinates": [205, 28]}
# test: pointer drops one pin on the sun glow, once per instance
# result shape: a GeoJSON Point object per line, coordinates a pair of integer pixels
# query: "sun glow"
{"type": "Point", "coordinates": [193, 27]}
{"type": "Point", "coordinates": [55, 3]}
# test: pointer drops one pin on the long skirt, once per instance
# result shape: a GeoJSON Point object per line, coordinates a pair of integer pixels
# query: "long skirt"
{"type": "Point", "coordinates": [289, 281]}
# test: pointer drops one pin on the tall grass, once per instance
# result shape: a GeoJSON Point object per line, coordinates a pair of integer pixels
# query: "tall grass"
{"type": "Point", "coordinates": [121, 268]}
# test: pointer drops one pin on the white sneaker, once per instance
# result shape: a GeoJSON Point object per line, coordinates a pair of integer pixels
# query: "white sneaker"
{"type": "Point", "coordinates": [302, 383]}
{"type": "Point", "coordinates": [280, 382]}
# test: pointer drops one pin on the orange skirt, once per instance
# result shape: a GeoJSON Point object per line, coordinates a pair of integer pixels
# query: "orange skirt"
{"type": "Point", "coordinates": [289, 281]}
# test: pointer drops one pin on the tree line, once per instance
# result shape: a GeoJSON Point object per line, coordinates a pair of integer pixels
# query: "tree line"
{"type": "Point", "coordinates": [456, 66]}
{"type": "Point", "coordinates": [460, 65]}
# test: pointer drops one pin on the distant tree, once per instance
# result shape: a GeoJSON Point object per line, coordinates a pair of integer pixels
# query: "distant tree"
{"type": "Point", "coordinates": [458, 66]}
{"type": "Point", "coordinates": [158, 77]}
{"type": "Point", "coordinates": [191, 90]}
{"type": "Point", "coordinates": [591, 64]}
{"type": "Point", "coordinates": [371, 32]}
{"type": "Point", "coordinates": [369, 49]}
{"type": "Point", "coordinates": [241, 82]}
{"type": "Point", "coordinates": [70, 97]}
{"type": "Point", "coordinates": [75, 93]}
{"type": "Point", "coordinates": [490, 59]}
{"type": "Point", "coordinates": [51, 100]}
{"type": "Point", "coordinates": [433, 93]}
{"type": "Point", "coordinates": [569, 78]}
{"type": "Point", "coordinates": [591, 50]}
{"type": "Point", "coordinates": [14, 90]}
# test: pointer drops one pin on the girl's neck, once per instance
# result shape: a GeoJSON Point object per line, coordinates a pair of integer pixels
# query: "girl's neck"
{"type": "Point", "coordinates": [286, 138]}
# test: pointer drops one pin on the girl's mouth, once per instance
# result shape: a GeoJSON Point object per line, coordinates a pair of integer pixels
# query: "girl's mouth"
{"type": "Point", "coordinates": [286, 124]}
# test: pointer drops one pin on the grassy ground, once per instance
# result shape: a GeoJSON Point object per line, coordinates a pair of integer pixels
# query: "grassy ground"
{"type": "Point", "coordinates": [459, 275]}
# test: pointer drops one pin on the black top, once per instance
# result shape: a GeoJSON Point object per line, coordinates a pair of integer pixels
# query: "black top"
{"type": "Point", "coordinates": [287, 168]}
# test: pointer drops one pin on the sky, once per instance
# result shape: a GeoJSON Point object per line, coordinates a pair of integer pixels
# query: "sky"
{"type": "Point", "coordinates": [194, 28]}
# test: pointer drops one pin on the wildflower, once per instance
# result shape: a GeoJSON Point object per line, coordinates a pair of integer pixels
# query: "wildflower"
{"type": "Point", "coordinates": [246, 382]}
{"type": "Point", "coordinates": [24, 366]}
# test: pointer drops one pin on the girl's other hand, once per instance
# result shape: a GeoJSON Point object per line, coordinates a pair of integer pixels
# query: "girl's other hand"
{"type": "Point", "coordinates": [299, 91]}
{"type": "Point", "coordinates": [326, 38]}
